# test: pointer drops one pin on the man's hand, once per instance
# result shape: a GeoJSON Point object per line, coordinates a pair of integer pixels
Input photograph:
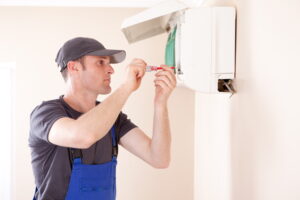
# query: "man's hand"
{"type": "Point", "coordinates": [135, 72]}
{"type": "Point", "coordinates": [165, 82]}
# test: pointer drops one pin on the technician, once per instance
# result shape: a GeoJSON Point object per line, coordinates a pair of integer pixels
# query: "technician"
{"type": "Point", "coordinates": [74, 139]}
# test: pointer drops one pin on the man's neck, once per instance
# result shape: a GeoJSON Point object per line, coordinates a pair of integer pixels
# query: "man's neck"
{"type": "Point", "coordinates": [81, 102]}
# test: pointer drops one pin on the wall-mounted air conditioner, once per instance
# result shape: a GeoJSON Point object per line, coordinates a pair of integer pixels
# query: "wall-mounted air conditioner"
{"type": "Point", "coordinates": [204, 43]}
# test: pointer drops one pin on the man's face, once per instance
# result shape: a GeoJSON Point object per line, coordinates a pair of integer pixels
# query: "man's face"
{"type": "Point", "coordinates": [96, 74]}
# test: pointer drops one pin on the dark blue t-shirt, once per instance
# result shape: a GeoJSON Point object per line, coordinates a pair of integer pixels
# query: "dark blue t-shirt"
{"type": "Point", "coordinates": [51, 163]}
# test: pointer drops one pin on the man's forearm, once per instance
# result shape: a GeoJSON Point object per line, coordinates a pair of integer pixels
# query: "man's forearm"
{"type": "Point", "coordinates": [100, 119]}
{"type": "Point", "coordinates": [161, 139]}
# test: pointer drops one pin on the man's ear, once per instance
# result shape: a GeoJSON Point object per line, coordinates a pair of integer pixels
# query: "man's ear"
{"type": "Point", "coordinates": [71, 66]}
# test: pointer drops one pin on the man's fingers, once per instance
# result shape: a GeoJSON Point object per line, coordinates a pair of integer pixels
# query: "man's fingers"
{"type": "Point", "coordinates": [161, 84]}
{"type": "Point", "coordinates": [165, 79]}
{"type": "Point", "coordinates": [141, 72]}
{"type": "Point", "coordinates": [138, 66]}
{"type": "Point", "coordinates": [169, 75]}
{"type": "Point", "coordinates": [137, 61]}
{"type": "Point", "coordinates": [140, 60]}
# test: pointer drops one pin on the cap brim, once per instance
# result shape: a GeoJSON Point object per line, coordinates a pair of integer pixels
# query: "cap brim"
{"type": "Point", "coordinates": [116, 56]}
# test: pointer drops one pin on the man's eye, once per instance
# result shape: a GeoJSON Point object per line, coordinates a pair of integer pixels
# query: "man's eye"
{"type": "Point", "coordinates": [101, 62]}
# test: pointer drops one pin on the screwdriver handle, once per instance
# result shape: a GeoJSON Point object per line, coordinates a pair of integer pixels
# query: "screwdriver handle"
{"type": "Point", "coordinates": [150, 68]}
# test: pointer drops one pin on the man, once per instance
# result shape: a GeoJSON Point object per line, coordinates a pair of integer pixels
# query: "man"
{"type": "Point", "coordinates": [74, 139]}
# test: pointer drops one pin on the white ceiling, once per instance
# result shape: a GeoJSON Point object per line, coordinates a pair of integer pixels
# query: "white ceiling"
{"type": "Point", "coordinates": [76, 3]}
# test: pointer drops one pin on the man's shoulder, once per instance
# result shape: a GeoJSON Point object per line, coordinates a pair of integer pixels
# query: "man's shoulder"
{"type": "Point", "coordinates": [50, 102]}
{"type": "Point", "coordinates": [48, 105]}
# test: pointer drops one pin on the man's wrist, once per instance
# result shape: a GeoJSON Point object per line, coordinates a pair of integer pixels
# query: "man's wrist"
{"type": "Point", "coordinates": [161, 105]}
{"type": "Point", "coordinates": [124, 88]}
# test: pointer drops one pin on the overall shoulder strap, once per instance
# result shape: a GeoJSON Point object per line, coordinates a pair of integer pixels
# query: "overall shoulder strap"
{"type": "Point", "coordinates": [73, 154]}
{"type": "Point", "coordinates": [115, 141]}
{"type": "Point", "coordinates": [77, 153]}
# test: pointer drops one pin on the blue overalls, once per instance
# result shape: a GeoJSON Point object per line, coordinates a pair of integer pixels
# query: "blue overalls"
{"type": "Point", "coordinates": [94, 182]}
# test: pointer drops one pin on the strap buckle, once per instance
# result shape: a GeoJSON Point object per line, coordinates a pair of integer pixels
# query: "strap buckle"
{"type": "Point", "coordinates": [75, 153]}
{"type": "Point", "coordinates": [115, 151]}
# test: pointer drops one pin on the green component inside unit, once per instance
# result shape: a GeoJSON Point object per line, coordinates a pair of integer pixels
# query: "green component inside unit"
{"type": "Point", "coordinates": [170, 49]}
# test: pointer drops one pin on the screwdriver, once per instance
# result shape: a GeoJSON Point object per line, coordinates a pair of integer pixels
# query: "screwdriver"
{"type": "Point", "coordinates": [150, 68]}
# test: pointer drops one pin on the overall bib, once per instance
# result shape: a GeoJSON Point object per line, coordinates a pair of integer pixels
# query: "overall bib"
{"type": "Point", "coordinates": [94, 182]}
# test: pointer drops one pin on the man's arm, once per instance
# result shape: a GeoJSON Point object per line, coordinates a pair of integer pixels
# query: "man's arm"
{"type": "Point", "coordinates": [93, 125]}
{"type": "Point", "coordinates": [155, 151]}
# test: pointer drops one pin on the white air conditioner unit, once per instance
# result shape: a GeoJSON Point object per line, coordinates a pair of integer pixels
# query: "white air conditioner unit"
{"type": "Point", "coordinates": [205, 41]}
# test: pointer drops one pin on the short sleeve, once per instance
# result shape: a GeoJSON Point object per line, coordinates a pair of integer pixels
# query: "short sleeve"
{"type": "Point", "coordinates": [41, 120]}
{"type": "Point", "coordinates": [124, 124]}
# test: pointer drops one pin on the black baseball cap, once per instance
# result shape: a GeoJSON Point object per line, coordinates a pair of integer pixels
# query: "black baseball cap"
{"type": "Point", "coordinates": [80, 46]}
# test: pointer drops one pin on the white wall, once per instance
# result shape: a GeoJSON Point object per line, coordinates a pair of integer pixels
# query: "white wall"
{"type": "Point", "coordinates": [263, 130]}
{"type": "Point", "coordinates": [32, 36]}
{"type": "Point", "coordinates": [6, 118]}
{"type": "Point", "coordinates": [212, 175]}
{"type": "Point", "coordinates": [265, 114]}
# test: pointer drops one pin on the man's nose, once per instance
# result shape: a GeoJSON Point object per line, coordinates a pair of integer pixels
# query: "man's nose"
{"type": "Point", "coordinates": [110, 69]}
